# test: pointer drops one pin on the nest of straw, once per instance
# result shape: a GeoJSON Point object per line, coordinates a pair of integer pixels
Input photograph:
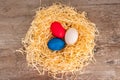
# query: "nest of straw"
{"type": "Point", "coordinates": [70, 59]}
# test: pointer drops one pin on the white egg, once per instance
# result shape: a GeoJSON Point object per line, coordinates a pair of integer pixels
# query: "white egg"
{"type": "Point", "coordinates": [71, 36]}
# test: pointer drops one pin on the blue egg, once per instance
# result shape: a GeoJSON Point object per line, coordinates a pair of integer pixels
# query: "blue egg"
{"type": "Point", "coordinates": [56, 44]}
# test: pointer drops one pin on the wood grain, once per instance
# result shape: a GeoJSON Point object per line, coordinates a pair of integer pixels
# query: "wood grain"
{"type": "Point", "coordinates": [15, 19]}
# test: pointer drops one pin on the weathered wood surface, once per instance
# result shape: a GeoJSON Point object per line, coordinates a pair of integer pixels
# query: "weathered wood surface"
{"type": "Point", "coordinates": [15, 19]}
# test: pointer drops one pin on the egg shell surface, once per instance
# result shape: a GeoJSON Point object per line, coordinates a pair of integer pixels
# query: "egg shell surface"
{"type": "Point", "coordinates": [57, 30]}
{"type": "Point", "coordinates": [71, 36]}
{"type": "Point", "coordinates": [56, 44]}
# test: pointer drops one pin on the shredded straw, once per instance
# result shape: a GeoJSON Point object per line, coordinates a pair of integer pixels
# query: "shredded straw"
{"type": "Point", "coordinates": [70, 59]}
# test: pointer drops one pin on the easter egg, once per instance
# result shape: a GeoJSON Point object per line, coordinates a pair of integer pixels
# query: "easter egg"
{"type": "Point", "coordinates": [57, 30]}
{"type": "Point", "coordinates": [56, 44]}
{"type": "Point", "coordinates": [71, 36]}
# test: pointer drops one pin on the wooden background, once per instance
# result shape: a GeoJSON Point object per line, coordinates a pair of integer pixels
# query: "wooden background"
{"type": "Point", "coordinates": [15, 19]}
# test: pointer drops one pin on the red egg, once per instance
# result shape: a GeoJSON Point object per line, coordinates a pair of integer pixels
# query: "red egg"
{"type": "Point", "coordinates": [57, 30]}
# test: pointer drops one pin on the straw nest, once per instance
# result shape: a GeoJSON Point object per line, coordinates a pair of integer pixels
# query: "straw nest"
{"type": "Point", "coordinates": [70, 59]}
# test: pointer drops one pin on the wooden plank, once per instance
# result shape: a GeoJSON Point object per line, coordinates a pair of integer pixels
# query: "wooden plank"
{"type": "Point", "coordinates": [15, 19]}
